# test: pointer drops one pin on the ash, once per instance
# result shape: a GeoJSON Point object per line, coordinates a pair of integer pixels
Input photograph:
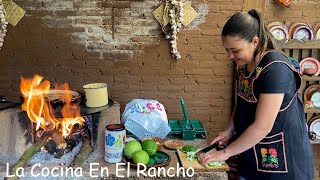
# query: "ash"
{"type": "Point", "coordinates": [45, 158]}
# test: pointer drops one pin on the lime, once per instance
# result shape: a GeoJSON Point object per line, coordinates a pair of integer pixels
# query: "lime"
{"type": "Point", "coordinates": [140, 156]}
{"type": "Point", "coordinates": [131, 147]}
{"type": "Point", "coordinates": [150, 146]}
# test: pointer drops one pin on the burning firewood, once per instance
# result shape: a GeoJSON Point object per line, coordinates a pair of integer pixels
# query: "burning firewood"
{"type": "Point", "coordinates": [59, 140]}
{"type": "Point", "coordinates": [84, 152]}
{"type": "Point", "coordinates": [28, 154]}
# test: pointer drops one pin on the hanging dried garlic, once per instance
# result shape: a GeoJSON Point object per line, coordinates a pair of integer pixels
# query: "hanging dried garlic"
{"type": "Point", "coordinates": [3, 24]}
{"type": "Point", "coordinates": [171, 15]}
{"type": "Point", "coordinates": [175, 19]}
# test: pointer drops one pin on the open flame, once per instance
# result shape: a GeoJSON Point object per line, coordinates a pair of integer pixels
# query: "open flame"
{"type": "Point", "coordinates": [39, 110]}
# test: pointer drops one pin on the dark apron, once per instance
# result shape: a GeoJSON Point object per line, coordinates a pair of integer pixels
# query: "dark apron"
{"type": "Point", "coordinates": [285, 153]}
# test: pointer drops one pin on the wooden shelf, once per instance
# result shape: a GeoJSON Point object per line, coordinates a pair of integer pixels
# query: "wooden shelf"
{"type": "Point", "coordinates": [300, 50]}
{"type": "Point", "coordinates": [311, 110]}
{"type": "Point", "coordinates": [310, 78]}
{"type": "Point", "coordinates": [297, 44]}
{"type": "Point", "coordinates": [316, 141]}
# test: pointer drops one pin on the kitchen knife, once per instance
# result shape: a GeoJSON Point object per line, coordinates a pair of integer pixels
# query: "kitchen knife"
{"type": "Point", "coordinates": [207, 149]}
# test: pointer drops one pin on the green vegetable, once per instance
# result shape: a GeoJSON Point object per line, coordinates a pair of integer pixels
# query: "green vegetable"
{"type": "Point", "coordinates": [150, 146]}
{"type": "Point", "coordinates": [141, 157]}
{"type": "Point", "coordinates": [214, 164]}
{"type": "Point", "coordinates": [191, 155]}
{"type": "Point", "coordinates": [131, 147]}
{"type": "Point", "coordinates": [188, 148]}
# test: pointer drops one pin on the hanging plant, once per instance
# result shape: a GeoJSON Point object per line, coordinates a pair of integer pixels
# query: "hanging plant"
{"type": "Point", "coordinates": [3, 24]}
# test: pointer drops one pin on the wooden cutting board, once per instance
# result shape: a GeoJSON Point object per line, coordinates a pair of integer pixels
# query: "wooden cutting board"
{"type": "Point", "coordinates": [196, 165]}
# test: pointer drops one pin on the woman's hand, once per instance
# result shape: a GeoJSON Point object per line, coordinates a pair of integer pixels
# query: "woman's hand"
{"type": "Point", "coordinates": [223, 137]}
{"type": "Point", "coordinates": [217, 156]}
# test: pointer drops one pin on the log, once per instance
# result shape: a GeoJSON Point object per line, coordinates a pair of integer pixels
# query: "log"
{"type": "Point", "coordinates": [84, 152]}
{"type": "Point", "coordinates": [59, 140]}
{"type": "Point", "coordinates": [29, 153]}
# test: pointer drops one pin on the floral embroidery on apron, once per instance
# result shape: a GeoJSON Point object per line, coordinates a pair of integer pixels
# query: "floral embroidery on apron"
{"type": "Point", "coordinates": [245, 87]}
{"type": "Point", "coordinates": [270, 154]}
{"type": "Point", "coordinates": [269, 157]}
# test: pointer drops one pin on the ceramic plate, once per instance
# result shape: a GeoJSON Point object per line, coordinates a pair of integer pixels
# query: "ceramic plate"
{"type": "Point", "coordinates": [303, 32]}
{"type": "Point", "coordinates": [310, 63]}
{"type": "Point", "coordinates": [315, 127]}
{"type": "Point", "coordinates": [309, 91]}
{"type": "Point", "coordinates": [293, 27]}
{"type": "Point", "coordinates": [279, 31]}
{"type": "Point", "coordinates": [315, 98]}
{"type": "Point", "coordinates": [173, 144]}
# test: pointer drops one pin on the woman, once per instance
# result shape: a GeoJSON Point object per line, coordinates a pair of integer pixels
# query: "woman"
{"type": "Point", "coordinates": [268, 119]}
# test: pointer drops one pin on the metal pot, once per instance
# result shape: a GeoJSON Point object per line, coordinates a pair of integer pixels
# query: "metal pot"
{"type": "Point", "coordinates": [96, 94]}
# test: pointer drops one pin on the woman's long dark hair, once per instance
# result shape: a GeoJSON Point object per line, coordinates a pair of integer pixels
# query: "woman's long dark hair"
{"type": "Point", "coordinates": [247, 25]}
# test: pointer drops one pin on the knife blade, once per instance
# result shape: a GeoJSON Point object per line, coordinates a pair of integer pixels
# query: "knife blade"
{"type": "Point", "coordinates": [207, 149]}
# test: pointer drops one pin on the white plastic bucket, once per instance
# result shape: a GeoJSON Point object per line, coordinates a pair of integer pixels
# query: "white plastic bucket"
{"type": "Point", "coordinates": [96, 94]}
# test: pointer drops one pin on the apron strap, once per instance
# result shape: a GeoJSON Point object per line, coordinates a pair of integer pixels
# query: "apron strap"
{"type": "Point", "coordinates": [283, 109]}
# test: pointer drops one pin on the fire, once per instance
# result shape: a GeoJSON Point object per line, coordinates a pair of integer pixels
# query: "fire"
{"type": "Point", "coordinates": [39, 110]}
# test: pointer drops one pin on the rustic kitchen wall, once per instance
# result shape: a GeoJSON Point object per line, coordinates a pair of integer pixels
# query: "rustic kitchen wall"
{"type": "Point", "coordinates": [119, 42]}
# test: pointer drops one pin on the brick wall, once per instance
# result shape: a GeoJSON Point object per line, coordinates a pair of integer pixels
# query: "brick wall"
{"type": "Point", "coordinates": [120, 43]}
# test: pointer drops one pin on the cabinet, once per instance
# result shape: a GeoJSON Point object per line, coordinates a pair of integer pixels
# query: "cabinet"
{"type": "Point", "coordinates": [300, 50]}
